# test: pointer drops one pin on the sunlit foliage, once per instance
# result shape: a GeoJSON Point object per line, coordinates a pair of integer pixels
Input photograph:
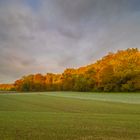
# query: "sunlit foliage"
{"type": "Point", "coordinates": [115, 72]}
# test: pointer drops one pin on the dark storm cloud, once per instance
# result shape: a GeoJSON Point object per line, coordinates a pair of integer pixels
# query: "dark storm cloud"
{"type": "Point", "coordinates": [50, 35]}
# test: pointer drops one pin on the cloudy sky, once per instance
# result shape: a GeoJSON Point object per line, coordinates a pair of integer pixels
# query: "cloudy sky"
{"type": "Point", "coordinates": [40, 36]}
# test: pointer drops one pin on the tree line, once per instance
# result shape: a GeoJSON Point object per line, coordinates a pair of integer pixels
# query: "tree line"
{"type": "Point", "coordinates": [116, 72]}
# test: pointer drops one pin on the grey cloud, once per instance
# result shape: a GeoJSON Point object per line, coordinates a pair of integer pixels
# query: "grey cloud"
{"type": "Point", "coordinates": [63, 33]}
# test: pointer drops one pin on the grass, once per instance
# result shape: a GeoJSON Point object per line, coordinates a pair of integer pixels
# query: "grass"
{"type": "Point", "coordinates": [69, 116]}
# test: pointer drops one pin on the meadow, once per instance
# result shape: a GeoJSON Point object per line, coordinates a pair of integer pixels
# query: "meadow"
{"type": "Point", "coordinates": [69, 116]}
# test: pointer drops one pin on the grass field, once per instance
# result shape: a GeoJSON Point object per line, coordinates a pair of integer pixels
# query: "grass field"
{"type": "Point", "coordinates": [69, 116]}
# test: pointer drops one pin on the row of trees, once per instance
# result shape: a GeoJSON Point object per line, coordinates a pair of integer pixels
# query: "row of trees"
{"type": "Point", "coordinates": [114, 72]}
{"type": "Point", "coordinates": [7, 87]}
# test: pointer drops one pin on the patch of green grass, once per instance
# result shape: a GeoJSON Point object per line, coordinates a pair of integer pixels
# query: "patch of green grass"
{"type": "Point", "coordinates": [69, 116]}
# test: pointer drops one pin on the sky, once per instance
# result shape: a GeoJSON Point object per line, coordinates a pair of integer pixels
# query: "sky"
{"type": "Point", "coordinates": [41, 36]}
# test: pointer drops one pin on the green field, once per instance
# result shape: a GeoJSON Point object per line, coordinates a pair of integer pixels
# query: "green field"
{"type": "Point", "coordinates": [70, 116]}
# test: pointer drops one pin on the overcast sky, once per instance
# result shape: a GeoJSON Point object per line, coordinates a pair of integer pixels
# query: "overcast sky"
{"type": "Point", "coordinates": [40, 36]}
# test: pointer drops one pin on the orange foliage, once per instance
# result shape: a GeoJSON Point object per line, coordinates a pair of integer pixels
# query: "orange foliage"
{"type": "Point", "coordinates": [115, 72]}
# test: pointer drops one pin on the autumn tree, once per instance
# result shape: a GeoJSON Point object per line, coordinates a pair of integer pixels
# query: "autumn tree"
{"type": "Point", "coordinates": [115, 72]}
